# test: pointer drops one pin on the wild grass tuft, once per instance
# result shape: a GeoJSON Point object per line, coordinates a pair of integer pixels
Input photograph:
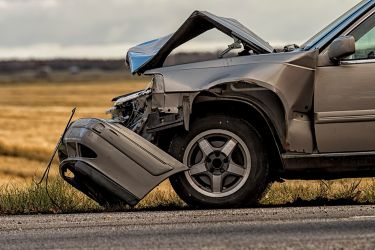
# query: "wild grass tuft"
{"type": "Point", "coordinates": [321, 193]}
{"type": "Point", "coordinates": [35, 199]}
{"type": "Point", "coordinates": [161, 198]}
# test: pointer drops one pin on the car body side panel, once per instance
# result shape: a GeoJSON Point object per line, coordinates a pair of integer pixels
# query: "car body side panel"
{"type": "Point", "coordinates": [345, 108]}
{"type": "Point", "coordinates": [289, 75]}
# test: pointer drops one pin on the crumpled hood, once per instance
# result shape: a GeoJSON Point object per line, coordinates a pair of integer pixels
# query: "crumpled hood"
{"type": "Point", "coordinates": [152, 54]}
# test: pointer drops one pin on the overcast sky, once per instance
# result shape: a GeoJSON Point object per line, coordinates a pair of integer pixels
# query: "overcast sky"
{"type": "Point", "coordinates": [107, 28]}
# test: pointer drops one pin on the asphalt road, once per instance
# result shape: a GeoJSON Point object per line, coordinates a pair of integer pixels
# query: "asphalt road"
{"type": "Point", "coordinates": [347, 227]}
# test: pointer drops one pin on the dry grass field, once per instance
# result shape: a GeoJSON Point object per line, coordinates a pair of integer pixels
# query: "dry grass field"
{"type": "Point", "coordinates": [32, 117]}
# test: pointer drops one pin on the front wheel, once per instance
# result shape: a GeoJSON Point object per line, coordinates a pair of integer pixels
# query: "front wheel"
{"type": "Point", "coordinates": [227, 161]}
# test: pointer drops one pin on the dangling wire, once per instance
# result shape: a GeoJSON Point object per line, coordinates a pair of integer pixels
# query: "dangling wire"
{"type": "Point", "coordinates": [46, 172]}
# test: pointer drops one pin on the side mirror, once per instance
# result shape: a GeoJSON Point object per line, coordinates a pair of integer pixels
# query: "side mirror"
{"type": "Point", "coordinates": [341, 47]}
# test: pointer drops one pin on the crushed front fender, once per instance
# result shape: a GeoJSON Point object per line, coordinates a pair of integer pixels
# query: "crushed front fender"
{"type": "Point", "coordinates": [111, 164]}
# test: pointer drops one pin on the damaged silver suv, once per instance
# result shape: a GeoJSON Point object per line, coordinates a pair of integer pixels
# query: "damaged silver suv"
{"type": "Point", "coordinates": [237, 123]}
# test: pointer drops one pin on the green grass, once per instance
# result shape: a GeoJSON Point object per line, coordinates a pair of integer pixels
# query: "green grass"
{"type": "Point", "coordinates": [34, 198]}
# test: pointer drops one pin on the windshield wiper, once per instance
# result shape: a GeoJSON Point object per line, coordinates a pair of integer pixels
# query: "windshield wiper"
{"type": "Point", "coordinates": [237, 44]}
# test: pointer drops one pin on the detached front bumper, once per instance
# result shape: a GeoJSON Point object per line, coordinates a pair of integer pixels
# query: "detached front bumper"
{"type": "Point", "coordinates": [111, 164]}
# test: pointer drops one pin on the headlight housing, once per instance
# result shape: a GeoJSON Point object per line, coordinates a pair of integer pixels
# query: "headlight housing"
{"type": "Point", "coordinates": [158, 84]}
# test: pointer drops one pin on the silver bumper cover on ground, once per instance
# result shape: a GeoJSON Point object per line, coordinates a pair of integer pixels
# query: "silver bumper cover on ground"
{"type": "Point", "coordinates": [111, 164]}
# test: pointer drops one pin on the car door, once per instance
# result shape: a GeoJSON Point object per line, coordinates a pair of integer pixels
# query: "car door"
{"type": "Point", "coordinates": [345, 96]}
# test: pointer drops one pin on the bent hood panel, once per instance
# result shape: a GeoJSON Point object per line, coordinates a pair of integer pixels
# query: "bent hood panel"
{"type": "Point", "coordinates": [152, 54]}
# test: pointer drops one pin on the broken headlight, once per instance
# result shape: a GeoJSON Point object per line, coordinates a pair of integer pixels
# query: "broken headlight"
{"type": "Point", "coordinates": [130, 109]}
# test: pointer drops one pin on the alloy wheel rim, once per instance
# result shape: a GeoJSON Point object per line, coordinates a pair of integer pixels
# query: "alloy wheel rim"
{"type": "Point", "coordinates": [219, 163]}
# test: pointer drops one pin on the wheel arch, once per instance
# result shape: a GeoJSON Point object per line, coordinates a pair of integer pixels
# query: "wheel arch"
{"type": "Point", "coordinates": [256, 112]}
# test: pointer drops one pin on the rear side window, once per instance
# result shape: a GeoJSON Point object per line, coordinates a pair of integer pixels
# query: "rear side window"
{"type": "Point", "coordinates": [364, 36]}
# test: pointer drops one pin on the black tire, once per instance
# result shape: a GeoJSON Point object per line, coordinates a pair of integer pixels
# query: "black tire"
{"type": "Point", "coordinates": [195, 189]}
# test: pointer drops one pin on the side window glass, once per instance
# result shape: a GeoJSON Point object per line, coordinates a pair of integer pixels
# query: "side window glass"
{"type": "Point", "coordinates": [364, 36]}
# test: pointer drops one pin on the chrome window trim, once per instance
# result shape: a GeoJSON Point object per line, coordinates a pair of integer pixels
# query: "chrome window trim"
{"type": "Point", "coordinates": [358, 61]}
{"type": "Point", "coordinates": [359, 22]}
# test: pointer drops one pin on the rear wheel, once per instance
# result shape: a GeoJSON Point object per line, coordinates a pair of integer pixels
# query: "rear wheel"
{"type": "Point", "coordinates": [227, 162]}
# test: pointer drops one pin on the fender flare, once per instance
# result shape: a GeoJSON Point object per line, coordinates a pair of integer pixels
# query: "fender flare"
{"type": "Point", "coordinates": [277, 138]}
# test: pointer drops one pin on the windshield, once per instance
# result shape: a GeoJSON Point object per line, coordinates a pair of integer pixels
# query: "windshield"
{"type": "Point", "coordinates": [336, 25]}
